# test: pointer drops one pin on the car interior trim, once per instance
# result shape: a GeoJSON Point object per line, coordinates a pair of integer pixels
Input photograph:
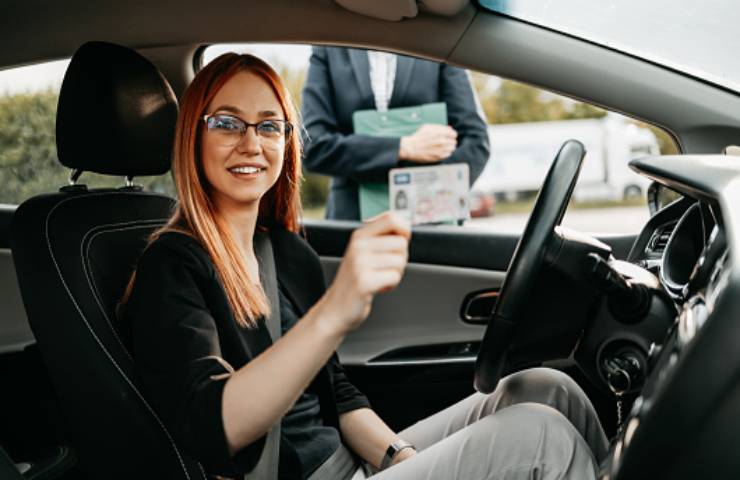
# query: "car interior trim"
{"type": "Point", "coordinates": [382, 333]}
{"type": "Point", "coordinates": [15, 332]}
{"type": "Point", "coordinates": [613, 80]}
{"type": "Point", "coordinates": [468, 359]}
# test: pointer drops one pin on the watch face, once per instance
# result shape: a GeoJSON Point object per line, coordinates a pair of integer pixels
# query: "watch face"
{"type": "Point", "coordinates": [393, 449]}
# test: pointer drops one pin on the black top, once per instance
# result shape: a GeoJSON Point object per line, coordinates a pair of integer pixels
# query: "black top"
{"type": "Point", "coordinates": [184, 339]}
{"type": "Point", "coordinates": [305, 441]}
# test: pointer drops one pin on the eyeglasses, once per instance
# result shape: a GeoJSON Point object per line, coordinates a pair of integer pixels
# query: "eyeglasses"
{"type": "Point", "coordinates": [228, 130]}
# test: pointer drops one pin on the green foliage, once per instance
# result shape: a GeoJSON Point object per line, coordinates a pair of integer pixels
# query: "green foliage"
{"type": "Point", "coordinates": [27, 146]}
{"type": "Point", "coordinates": [315, 187]}
{"type": "Point", "coordinates": [293, 80]}
{"type": "Point", "coordinates": [512, 102]}
{"type": "Point", "coordinates": [314, 190]}
{"type": "Point", "coordinates": [28, 156]}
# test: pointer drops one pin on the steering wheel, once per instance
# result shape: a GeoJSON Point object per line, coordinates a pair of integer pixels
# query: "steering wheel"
{"type": "Point", "coordinates": [526, 264]}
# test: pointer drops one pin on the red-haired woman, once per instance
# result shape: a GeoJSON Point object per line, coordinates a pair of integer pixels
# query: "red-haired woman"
{"type": "Point", "coordinates": [199, 309]}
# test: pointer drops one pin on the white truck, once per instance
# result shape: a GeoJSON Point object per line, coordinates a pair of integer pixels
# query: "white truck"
{"type": "Point", "coordinates": [521, 154]}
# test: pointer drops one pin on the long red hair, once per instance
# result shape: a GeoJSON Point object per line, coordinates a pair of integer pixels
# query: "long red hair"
{"type": "Point", "coordinates": [196, 214]}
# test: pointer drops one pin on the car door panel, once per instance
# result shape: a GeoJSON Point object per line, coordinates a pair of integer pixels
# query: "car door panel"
{"type": "Point", "coordinates": [15, 333]}
{"type": "Point", "coordinates": [446, 265]}
{"type": "Point", "coordinates": [415, 355]}
{"type": "Point", "coordinates": [28, 409]}
{"type": "Point", "coordinates": [423, 310]}
{"type": "Point", "coordinates": [443, 245]}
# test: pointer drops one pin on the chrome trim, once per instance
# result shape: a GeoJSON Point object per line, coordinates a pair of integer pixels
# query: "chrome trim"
{"type": "Point", "coordinates": [422, 361]}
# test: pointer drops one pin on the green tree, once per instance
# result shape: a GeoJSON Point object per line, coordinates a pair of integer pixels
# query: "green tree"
{"type": "Point", "coordinates": [513, 102]}
{"type": "Point", "coordinates": [28, 159]}
{"type": "Point", "coordinates": [580, 110]}
{"type": "Point", "coordinates": [28, 155]}
{"type": "Point", "coordinates": [293, 80]}
{"type": "Point", "coordinates": [315, 187]}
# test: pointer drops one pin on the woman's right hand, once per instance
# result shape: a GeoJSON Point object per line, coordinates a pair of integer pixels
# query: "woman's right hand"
{"type": "Point", "coordinates": [374, 262]}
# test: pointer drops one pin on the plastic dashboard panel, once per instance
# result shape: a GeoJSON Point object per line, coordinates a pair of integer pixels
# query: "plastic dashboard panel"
{"type": "Point", "coordinates": [686, 423]}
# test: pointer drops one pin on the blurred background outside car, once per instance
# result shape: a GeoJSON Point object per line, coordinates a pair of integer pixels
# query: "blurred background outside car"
{"type": "Point", "coordinates": [527, 126]}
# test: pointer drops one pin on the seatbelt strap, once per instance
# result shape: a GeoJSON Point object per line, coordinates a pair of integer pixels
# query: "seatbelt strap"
{"type": "Point", "coordinates": [267, 467]}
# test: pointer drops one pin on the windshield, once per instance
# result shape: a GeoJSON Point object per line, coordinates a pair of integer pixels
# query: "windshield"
{"type": "Point", "coordinates": [698, 38]}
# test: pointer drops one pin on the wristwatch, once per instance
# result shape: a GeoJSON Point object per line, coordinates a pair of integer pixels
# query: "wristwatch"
{"type": "Point", "coordinates": [393, 449]}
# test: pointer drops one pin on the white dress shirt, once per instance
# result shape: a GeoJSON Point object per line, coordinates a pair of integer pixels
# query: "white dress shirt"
{"type": "Point", "coordinates": [382, 76]}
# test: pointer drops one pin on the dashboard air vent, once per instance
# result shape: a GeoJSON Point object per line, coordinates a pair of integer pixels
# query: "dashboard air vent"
{"type": "Point", "coordinates": [659, 240]}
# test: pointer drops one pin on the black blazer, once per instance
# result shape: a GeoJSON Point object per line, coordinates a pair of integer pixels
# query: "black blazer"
{"type": "Point", "coordinates": [185, 339]}
{"type": "Point", "coordinates": [338, 84]}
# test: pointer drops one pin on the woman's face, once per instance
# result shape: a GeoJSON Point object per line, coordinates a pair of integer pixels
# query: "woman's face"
{"type": "Point", "coordinates": [241, 174]}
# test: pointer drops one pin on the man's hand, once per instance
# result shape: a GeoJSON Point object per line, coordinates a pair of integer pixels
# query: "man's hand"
{"type": "Point", "coordinates": [430, 143]}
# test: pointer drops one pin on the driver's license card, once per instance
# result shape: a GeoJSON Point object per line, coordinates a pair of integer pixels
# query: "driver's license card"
{"type": "Point", "coordinates": [434, 194]}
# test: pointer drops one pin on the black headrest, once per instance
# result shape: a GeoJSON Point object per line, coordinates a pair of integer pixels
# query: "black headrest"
{"type": "Point", "coordinates": [116, 113]}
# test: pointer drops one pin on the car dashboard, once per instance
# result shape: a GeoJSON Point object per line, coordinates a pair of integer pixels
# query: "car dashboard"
{"type": "Point", "coordinates": [686, 419]}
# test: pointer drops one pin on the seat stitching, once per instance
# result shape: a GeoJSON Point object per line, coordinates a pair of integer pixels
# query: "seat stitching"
{"type": "Point", "coordinates": [92, 332]}
{"type": "Point", "coordinates": [86, 266]}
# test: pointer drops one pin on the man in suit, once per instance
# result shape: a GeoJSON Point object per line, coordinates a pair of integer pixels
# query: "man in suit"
{"type": "Point", "coordinates": [343, 80]}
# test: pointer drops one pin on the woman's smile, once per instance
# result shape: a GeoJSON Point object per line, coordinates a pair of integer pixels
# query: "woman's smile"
{"type": "Point", "coordinates": [247, 171]}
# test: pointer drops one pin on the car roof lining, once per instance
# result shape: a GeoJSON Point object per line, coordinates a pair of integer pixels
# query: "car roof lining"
{"type": "Point", "coordinates": [400, 9]}
{"type": "Point", "coordinates": [704, 118]}
{"type": "Point", "coordinates": [66, 25]}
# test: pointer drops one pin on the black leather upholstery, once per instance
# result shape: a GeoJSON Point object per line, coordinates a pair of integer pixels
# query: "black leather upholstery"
{"type": "Point", "coordinates": [73, 253]}
{"type": "Point", "coordinates": [116, 113]}
{"type": "Point", "coordinates": [8, 470]}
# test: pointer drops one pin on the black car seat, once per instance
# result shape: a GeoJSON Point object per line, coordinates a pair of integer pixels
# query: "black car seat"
{"type": "Point", "coordinates": [74, 250]}
{"type": "Point", "coordinates": [8, 469]}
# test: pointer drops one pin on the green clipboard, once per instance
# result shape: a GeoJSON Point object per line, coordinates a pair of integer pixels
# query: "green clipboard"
{"type": "Point", "coordinates": [396, 122]}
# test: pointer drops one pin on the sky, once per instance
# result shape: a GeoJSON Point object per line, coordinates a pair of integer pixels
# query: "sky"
{"type": "Point", "coordinates": [33, 78]}
{"type": "Point", "coordinates": [36, 78]}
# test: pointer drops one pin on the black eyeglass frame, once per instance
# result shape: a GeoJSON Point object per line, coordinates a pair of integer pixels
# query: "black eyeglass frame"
{"type": "Point", "coordinates": [287, 126]}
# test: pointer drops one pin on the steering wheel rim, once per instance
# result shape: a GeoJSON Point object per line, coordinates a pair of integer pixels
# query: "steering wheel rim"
{"type": "Point", "coordinates": [526, 263]}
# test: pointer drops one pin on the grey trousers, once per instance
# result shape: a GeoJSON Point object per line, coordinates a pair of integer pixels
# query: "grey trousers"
{"type": "Point", "coordinates": [538, 424]}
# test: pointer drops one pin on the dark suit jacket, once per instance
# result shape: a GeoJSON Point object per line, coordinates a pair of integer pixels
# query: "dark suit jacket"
{"type": "Point", "coordinates": [182, 330]}
{"type": "Point", "coordinates": [338, 84]}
